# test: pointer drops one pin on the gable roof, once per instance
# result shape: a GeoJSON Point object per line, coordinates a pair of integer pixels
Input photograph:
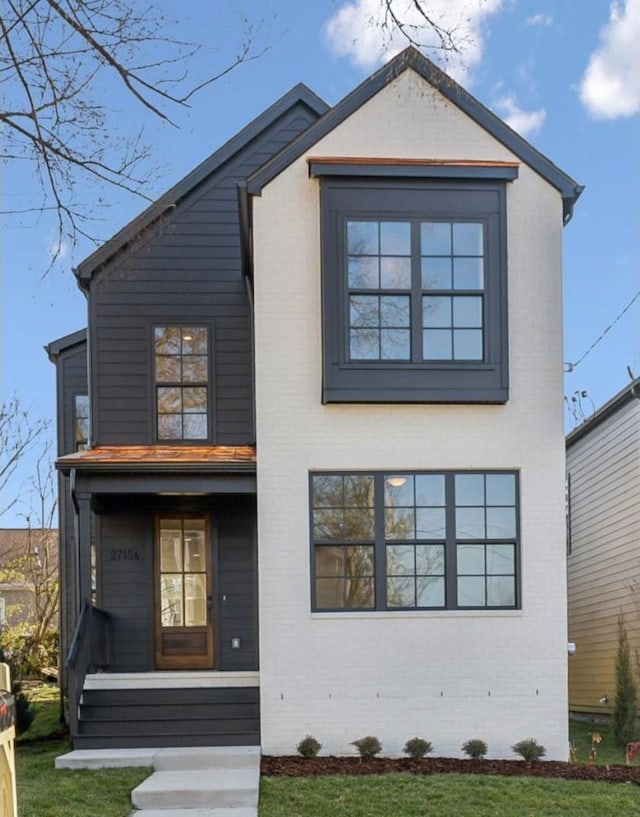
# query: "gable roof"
{"type": "Point", "coordinates": [630, 392]}
{"type": "Point", "coordinates": [300, 94]}
{"type": "Point", "coordinates": [56, 347]}
{"type": "Point", "coordinates": [412, 58]}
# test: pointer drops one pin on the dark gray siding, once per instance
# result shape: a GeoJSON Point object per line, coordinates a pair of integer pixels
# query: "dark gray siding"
{"type": "Point", "coordinates": [71, 379]}
{"type": "Point", "coordinates": [185, 268]}
{"type": "Point", "coordinates": [126, 587]}
{"type": "Point", "coordinates": [237, 589]}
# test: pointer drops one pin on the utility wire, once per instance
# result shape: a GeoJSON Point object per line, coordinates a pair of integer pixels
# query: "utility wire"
{"type": "Point", "coordinates": [572, 366]}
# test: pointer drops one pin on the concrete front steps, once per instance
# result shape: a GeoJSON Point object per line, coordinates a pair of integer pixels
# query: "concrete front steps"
{"type": "Point", "coordinates": [186, 782]}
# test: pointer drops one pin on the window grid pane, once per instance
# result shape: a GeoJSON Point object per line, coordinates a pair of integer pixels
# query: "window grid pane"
{"type": "Point", "coordinates": [485, 517]}
{"type": "Point", "coordinates": [433, 540]}
{"type": "Point", "coordinates": [452, 270]}
{"type": "Point", "coordinates": [182, 366]}
{"type": "Point", "coordinates": [379, 261]}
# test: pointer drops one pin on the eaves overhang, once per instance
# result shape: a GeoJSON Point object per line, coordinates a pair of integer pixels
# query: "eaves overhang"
{"type": "Point", "coordinates": [167, 203]}
{"type": "Point", "coordinates": [610, 408]}
{"type": "Point", "coordinates": [60, 345]}
{"type": "Point", "coordinates": [568, 188]}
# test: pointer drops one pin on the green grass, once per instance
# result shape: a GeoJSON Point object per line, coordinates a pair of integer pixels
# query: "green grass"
{"type": "Point", "coordinates": [608, 753]}
{"type": "Point", "coordinates": [46, 701]}
{"type": "Point", "coordinates": [451, 795]}
{"type": "Point", "coordinates": [44, 791]}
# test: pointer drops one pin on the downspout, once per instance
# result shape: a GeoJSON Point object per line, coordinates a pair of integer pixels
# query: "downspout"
{"type": "Point", "coordinates": [76, 532]}
{"type": "Point", "coordinates": [246, 256]}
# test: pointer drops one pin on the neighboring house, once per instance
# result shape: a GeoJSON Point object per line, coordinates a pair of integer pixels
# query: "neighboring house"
{"type": "Point", "coordinates": [603, 491]}
{"type": "Point", "coordinates": [323, 484]}
{"type": "Point", "coordinates": [27, 557]}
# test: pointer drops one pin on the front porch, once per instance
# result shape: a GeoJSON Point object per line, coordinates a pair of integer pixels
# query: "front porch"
{"type": "Point", "coordinates": [160, 709]}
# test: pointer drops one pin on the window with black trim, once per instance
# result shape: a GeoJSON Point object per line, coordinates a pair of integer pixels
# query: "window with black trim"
{"type": "Point", "coordinates": [182, 382]}
{"type": "Point", "coordinates": [414, 290]}
{"type": "Point", "coordinates": [414, 540]}
{"type": "Point", "coordinates": [81, 421]}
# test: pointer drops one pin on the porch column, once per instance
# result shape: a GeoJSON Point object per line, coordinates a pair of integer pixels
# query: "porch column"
{"type": "Point", "coordinates": [83, 560]}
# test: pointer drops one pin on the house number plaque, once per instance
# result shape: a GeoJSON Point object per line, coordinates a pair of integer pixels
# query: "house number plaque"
{"type": "Point", "coordinates": [124, 555]}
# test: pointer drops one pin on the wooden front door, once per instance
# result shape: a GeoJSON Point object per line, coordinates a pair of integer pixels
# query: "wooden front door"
{"type": "Point", "coordinates": [184, 629]}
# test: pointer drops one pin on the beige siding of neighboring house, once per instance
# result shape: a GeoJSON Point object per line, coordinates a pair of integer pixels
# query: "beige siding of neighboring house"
{"type": "Point", "coordinates": [604, 552]}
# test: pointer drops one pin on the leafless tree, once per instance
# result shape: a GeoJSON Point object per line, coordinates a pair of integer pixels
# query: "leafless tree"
{"type": "Point", "coordinates": [420, 26]}
{"type": "Point", "coordinates": [60, 62]}
{"type": "Point", "coordinates": [19, 435]}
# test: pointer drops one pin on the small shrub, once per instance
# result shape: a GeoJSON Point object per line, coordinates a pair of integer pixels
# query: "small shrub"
{"type": "Point", "coordinates": [25, 710]}
{"type": "Point", "coordinates": [417, 748]}
{"type": "Point", "coordinates": [368, 747]}
{"type": "Point", "coordinates": [308, 747]}
{"type": "Point", "coordinates": [626, 702]}
{"type": "Point", "coordinates": [475, 748]}
{"type": "Point", "coordinates": [529, 750]}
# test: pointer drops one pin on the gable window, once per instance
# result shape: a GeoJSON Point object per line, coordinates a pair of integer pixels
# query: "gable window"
{"type": "Point", "coordinates": [182, 382]}
{"type": "Point", "coordinates": [414, 290]}
{"type": "Point", "coordinates": [81, 421]}
{"type": "Point", "coordinates": [410, 541]}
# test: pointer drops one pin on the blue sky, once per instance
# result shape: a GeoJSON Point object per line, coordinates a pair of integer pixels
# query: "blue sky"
{"type": "Point", "coordinates": [565, 75]}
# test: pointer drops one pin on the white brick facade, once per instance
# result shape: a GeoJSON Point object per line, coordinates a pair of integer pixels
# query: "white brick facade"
{"type": "Point", "coordinates": [446, 676]}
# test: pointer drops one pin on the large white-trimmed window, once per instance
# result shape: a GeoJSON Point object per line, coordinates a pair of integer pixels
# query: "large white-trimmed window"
{"type": "Point", "coordinates": [414, 289]}
{"type": "Point", "coordinates": [415, 540]}
{"type": "Point", "coordinates": [181, 356]}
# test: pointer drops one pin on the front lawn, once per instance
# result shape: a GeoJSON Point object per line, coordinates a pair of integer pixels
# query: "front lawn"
{"type": "Point", "coordinates": [450, 795]}
{"type": "Point", "coordinates": [44, 791]}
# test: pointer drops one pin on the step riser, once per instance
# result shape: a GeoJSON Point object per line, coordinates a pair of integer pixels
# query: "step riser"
{"type": "Point", "coordinates": [155, 742]}
{"type": "Point", "coordinates": [141, 713]}
{"type": "Point", "coordinates": [232, 798]}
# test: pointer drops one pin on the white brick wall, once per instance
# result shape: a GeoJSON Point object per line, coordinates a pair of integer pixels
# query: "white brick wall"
{"type": "Point", "coordinates": [445, 676]}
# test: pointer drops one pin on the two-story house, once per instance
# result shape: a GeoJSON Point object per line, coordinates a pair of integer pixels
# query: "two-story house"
{"type": "Point", "coordinates": [322, 489]}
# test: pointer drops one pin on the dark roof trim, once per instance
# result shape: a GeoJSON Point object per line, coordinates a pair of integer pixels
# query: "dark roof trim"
{"type": "Point", "coordinates": [414, 169]}
{"type": "Point", "coordinates": [169, 200]}
{"type": "Point", "coordinates": [157, 467]}
{"type": "Point", "coordinates": [626, 395]}
{"type": "Point", "coordinates": [56, 347]}
{"type": "Point", "coordinates": [412, 58]}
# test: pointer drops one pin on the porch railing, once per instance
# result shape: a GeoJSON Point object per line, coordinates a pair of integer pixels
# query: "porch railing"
{"type": "Point", "coordinates": [89, 650]}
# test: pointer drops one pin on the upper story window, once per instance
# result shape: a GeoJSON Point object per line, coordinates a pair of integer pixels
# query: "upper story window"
{"type": "Point", "coordinates": [424, 540]}
{"type": "Point", "coordinates": [182, 382]}
{"type": "Point", "coordinates": [81, 421]}
{"type": "Point", "coordinates": [414, 289]}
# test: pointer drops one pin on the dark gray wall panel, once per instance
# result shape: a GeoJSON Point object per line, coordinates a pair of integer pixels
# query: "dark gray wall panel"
{"type": "Point", "coordinates": [186, 268]}
{"type": "Point", "coordinates": [125, 588]}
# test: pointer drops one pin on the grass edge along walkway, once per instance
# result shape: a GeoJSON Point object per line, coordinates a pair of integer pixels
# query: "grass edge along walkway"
{"type": "Point", "coordinates": [450, 795]}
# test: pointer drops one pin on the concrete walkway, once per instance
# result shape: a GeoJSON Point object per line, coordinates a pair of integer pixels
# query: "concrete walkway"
{"type": "Point", "coordinates": [186, 782]}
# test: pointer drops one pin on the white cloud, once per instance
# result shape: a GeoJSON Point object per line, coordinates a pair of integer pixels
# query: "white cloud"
{"type": "Point", "coordinates": [357, 30]}
{"type": "Point", "coordinates": [545, 20]}
{"type": "Point", "coordinates": [525, 122]}
{"type": "Point", "coordinates": [610, 86]}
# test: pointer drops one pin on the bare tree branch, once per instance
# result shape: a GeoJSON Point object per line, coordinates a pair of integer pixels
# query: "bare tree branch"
{"type": "Point", "coordinates": [58, 63]}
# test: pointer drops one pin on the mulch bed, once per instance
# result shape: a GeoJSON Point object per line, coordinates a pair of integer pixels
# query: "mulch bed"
{"type": "Point", "coordinates": [295, 766]}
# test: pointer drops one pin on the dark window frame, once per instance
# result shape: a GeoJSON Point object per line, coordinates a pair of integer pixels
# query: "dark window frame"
{"type": "Point", "coordinates": [379, 542]}
{"type": "Point", "coordinates": [81, 443]}
{"type": "Point", "coordinates": [398, 199]}
{"type": "Point", "coordinates": [209, 384]}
